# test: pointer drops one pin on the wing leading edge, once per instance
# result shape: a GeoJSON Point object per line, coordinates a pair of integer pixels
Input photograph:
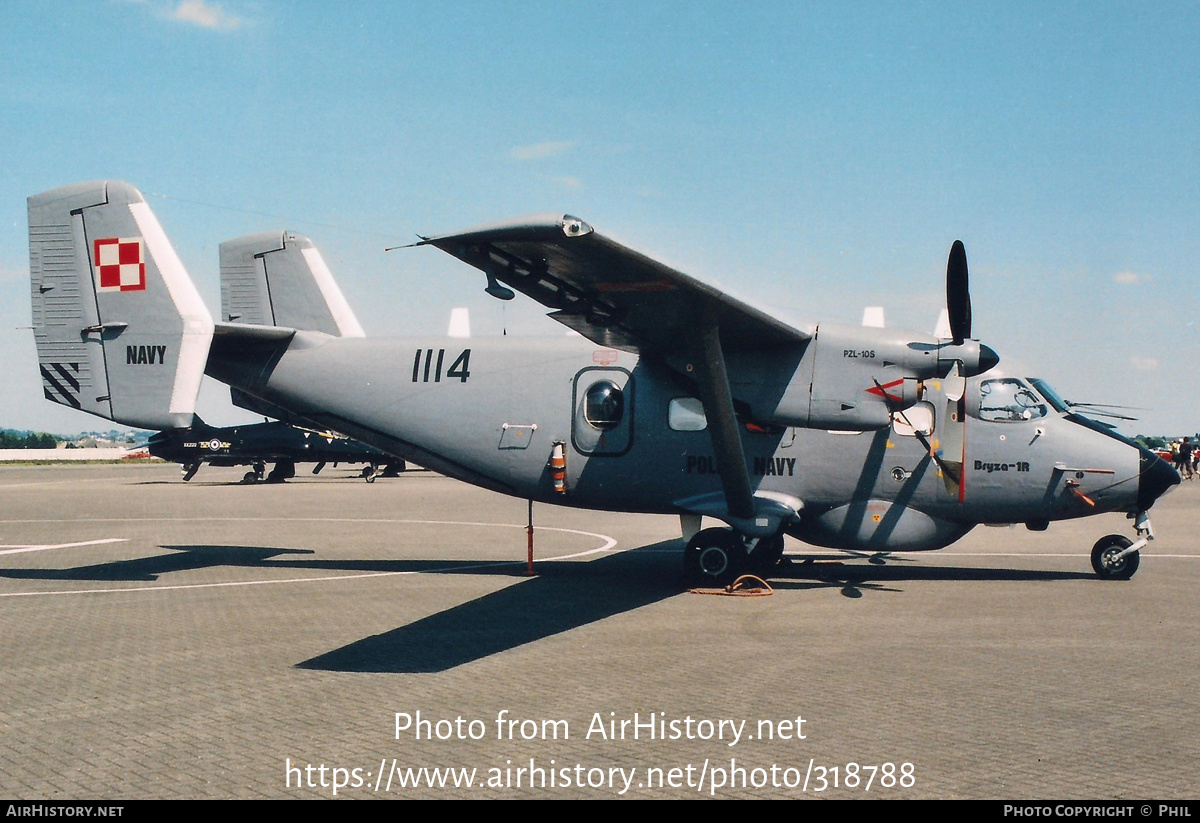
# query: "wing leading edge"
{"type": "Point", "coordinates": [608, 292]}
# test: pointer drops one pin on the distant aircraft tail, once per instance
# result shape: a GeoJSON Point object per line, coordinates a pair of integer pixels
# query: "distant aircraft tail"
{"type": "Point", "coordinates": [121, 331]}
{"type": "Point", "coordinates": [280, 279]}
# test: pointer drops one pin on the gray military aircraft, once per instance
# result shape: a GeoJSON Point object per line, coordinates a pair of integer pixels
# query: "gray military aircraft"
{"type": "Point", "coordinates": [675, 398]}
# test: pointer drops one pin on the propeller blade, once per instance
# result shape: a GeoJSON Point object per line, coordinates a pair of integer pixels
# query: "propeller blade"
{"type": "Point", "coordinates": [958, 293]}
{"type": "Point", "coordinates": [954, 384]}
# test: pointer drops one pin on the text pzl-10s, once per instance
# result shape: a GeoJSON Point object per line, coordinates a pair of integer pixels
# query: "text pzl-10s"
{"type": "Point", "coordinates": [674, 398]}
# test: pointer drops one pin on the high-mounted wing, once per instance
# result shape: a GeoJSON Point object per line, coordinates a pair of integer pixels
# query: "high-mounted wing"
{"type": "Point", "coordinates": [618, 297]}
{"type": "Point", "coordinates": [608, 292]}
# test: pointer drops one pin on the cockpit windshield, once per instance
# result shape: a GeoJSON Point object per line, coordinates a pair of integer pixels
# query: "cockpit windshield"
{"type": "Point", "coordinates": [1050, 394]}
{"type": "Point", "coordinates": [1009, 400]}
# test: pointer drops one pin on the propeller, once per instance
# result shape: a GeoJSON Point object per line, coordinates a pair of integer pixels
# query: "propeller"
{"type": "Point", "coordinates": [975, 358]}
{"type": "Point", "coordinates": [958, 294]}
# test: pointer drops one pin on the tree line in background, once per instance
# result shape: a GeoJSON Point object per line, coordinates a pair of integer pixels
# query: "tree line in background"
{"type": "Point", "coordinates": [26, 440]}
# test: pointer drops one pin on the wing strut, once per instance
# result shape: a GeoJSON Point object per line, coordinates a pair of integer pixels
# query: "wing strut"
{"type": "Point", "coordinates": [717, 397]}
{"type": "Point", "coordinates": [754, 516]}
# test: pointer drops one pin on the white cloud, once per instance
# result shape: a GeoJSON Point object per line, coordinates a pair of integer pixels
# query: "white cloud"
{"type": "Point", "coordinates": [203, 13]}
{"type": "Point", "coordinates": [1144, 363]}
{"type": "Point", "coordinates": [568, 182]}
{"type": "Point", "coordinates": [1129, 278]}
{"type": "Point", "coordinates": [537, 151]}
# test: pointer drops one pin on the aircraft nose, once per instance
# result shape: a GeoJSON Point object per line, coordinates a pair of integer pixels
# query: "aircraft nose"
{"type": "Point", "coordinates": [1156, 478]}
{"type": "Point", "coordinates": [987, 358]}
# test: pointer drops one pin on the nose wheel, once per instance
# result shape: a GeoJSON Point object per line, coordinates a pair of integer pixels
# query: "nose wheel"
{"type": "Point", "coordinates": [1110, 560]}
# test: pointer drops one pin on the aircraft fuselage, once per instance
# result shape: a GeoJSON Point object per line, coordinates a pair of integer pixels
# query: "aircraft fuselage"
{"type": "Point", "coordinates": [490, 411]}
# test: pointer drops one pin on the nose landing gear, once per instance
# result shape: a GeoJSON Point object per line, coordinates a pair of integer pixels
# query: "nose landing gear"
{"type": "Point", "coordinates": [1109, 560]}
{"type": "Point", "coordinates": [1115, 557]}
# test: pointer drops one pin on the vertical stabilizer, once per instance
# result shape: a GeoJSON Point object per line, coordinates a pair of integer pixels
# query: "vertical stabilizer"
{"type": "Point", "coordinates": [121, 331]}
{"type": "Point", "coordinates": [280, 279]}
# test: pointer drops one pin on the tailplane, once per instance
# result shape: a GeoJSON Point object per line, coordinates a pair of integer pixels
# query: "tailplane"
{"type": "Point", "coordinates": [121, 331]}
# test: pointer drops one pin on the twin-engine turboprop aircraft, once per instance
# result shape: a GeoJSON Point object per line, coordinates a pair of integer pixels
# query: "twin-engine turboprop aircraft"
{"type": "Point", "coordinates": [675, 399]}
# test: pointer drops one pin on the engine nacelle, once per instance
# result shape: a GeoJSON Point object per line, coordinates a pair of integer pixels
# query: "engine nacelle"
{"type": "Point", "coordinates": [848, 378]}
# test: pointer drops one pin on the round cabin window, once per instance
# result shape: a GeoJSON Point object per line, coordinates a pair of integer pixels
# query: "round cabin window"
{"type": "Point", "coordinates": [604, 405]}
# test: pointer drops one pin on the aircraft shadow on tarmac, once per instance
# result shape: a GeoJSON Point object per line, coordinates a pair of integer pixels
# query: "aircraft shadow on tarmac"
{"type": "Point", "coordinates": [562, 596]}
{"type": "Point", "coordinates": [566, 596]}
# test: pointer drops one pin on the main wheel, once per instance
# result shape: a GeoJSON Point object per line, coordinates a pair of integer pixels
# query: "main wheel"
{"type": "Point", "coordinates": [766, 554]}
{"type": "Point", "coordinates": [1105, 561]}
{"type": "Point", "coordinates": [714, 556]}
{"type": "Point", "coordinates": [284, 470]}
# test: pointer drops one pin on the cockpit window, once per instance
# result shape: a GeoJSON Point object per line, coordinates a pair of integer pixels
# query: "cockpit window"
{"type": "Point", "coordinates": [1008, 400]}
{"type": "Point", "coordinates": [1052, 397]}
{"type": "Point", "coordinates": [604, 405]}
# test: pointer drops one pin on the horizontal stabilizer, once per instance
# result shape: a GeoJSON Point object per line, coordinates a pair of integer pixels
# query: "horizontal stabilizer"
{"type": "Point", "coordinates": [251, 403]}
{"type": "Point", "coordinates": [121, 331]}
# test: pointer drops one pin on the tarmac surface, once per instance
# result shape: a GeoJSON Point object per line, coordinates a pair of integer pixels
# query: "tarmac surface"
{"type": "Point", "coordinates": [215, 640]}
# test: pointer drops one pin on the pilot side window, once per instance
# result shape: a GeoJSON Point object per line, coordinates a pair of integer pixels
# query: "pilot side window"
{"type": "Point", "coordinates": [686, 414]}
{"type": "Point", "coordinates": [604, 405]}
{"type": "Point", "coordinates": [1008, 400]}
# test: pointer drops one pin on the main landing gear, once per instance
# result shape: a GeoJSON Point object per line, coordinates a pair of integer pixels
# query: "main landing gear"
{"type": "Point", "coordinates": [1115, 557]}
{"type": "Point", "coordinates": [372, 470]}
{"type": "Point", "coordinates": [284, 470]}
{"type": "Point", "coordinates": [719, 556]}
{"type": "Point", "coordinates": [255, 474]}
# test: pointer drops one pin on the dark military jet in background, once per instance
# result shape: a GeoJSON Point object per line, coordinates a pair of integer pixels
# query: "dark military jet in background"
{"type": "Point", "coordinates": [257, 444]}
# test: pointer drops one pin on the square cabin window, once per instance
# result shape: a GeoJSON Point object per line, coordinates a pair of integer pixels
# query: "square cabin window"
{"type": "Point", "coordinates": [686, 414]}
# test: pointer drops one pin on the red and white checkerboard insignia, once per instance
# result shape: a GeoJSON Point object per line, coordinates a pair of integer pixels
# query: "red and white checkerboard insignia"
{"type": "Point", "coordinates": [120, 264]}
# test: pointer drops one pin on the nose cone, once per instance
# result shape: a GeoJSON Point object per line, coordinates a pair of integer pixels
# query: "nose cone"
{"type": "Point", "coordinates": [987, 358]}
{"type": "Point", "coordinates": [1156, 478]}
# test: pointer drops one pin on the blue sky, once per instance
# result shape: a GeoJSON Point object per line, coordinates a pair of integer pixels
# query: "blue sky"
{"type": "Point", "coordinates": [811, 157]}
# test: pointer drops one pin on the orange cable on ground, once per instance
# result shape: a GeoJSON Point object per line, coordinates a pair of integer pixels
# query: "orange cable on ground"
{"type": "Point", "coordinates": [739, 588]}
